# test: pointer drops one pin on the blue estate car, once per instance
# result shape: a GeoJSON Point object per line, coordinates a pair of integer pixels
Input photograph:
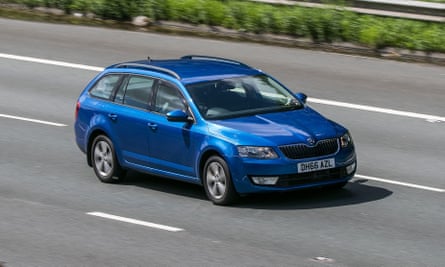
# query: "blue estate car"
{"type": "Point", "coordinates": [210, 121]}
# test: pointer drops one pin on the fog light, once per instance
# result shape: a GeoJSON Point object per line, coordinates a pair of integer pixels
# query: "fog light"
{"type": "Point", "coordinates": [350, 169]}
{"type": "Point", "coordinates": [265, 180]}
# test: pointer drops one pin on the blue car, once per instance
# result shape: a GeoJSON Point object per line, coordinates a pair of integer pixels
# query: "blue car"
{"type": "Point", "coordinates": [210, 121]}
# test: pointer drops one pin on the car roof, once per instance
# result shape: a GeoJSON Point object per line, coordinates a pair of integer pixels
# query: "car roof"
{"type": "Point", "coordinates": [193, 68]}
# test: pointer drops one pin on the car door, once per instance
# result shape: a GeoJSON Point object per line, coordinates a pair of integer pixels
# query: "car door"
{"type": "Point", "coordinates": [172, 144]}
{"type": "Point", "coordinates": [131, 118]}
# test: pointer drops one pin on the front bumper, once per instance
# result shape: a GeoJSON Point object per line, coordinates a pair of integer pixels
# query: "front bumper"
{"type": "Point", "coordinates": [287, 172]}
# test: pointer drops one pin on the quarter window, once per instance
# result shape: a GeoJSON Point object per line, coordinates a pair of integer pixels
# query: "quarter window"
{"type": "Point", "coordinates": [105, 86]}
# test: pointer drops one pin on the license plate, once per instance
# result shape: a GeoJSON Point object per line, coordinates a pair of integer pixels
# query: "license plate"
{"type": "Point", "coordinates": [316, 165]}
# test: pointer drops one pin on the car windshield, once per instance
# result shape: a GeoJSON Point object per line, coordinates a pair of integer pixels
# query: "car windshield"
{"type": "Point", "coordinates": [241, 96]}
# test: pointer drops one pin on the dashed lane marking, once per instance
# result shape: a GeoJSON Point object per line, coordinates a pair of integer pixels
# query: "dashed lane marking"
{"type": "Point", "coordinates": [33, 120]}
{"type": "Point", "coordinates": [51, 62]}
{"type": "Point", "coordinates": [134, 221]}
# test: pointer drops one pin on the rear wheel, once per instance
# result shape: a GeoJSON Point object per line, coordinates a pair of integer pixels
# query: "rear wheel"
{"type": "Point", "coordinates": [218, 183]}
{"type": "Point", "coordinates": [104, 160]}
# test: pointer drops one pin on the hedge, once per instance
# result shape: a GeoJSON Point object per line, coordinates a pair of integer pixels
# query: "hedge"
{"type": "Point", "coordinates": [321, 25]}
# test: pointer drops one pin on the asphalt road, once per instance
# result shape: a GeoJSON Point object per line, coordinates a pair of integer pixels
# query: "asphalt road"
{"type": "Point", "coordinates": [47, 191]}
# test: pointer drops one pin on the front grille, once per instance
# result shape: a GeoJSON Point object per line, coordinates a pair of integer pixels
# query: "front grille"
{"type": "Point", "coordinates": [312, 177]}
{"type": "Point", "coordinates": [300, 151]}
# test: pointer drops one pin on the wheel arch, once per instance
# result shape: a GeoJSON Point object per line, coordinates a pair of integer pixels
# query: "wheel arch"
{"type": "Point", "coordinates": [205, 156]}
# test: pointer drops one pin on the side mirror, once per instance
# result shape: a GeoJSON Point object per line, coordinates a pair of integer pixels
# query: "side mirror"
{"type": "Point", "coordinates": [302, 97]}
{"type": "Point", "coordinates": [178, 116]}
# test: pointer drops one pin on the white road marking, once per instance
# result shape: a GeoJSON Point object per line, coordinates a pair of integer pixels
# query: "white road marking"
{"type": "Point", "coordinates": [430, 118]}
{"type": "Point", "coordinates": [32, 120]}
{"type": "Point", "coordinates": [51, 62]}
{"type": "Point", "coordinates": [134, 221]}
{"type": "Point", "coordinates": [428, 188]}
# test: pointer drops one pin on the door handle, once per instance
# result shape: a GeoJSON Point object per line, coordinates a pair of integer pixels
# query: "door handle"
{"type": "Point", "coordinates": [153, 126]}
{"type": "Point", "coordinates": [113, 117]}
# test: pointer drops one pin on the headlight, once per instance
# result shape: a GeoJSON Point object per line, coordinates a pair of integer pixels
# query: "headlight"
{"type": "Point", "coordinates": [345, 140]}
{"type": "Point", "coordinates": [257, 152]}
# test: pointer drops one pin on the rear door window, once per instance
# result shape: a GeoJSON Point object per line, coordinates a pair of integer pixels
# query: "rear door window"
{"type": "Point", "coordinates": [136, 93]}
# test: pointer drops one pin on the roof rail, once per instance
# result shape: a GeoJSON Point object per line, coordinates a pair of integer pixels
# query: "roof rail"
{"type": "Point", "coordinates": [220, 59]}
{"type": "Point", "coordinates": [148, 67]}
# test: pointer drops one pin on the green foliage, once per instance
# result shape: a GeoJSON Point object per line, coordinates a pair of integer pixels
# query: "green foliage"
{"type": "Point", "coordinates": [320, 25]}
{"type": "Point", "coordinates": [414, 35]}
{"type": "Point", "coordinates": [120, 10]}
{"type": "Point", "coordinates": [216, 12]}
{"type": "Point", "coordinates": [32, 3]}
{"type": "Point", "coordinates": [430, 38]}
{"type": "Point", "coordinates": [60, 4]}
{"type": "Point", "coordinates": [280, 21]}
{"type": "Point", "coordinates": [371, 32]}
{"type": "Point", "coordinates": [254, 20]}
{"type": "Point", "coordinates": [159, 9]}
{"type": "Point", "coordinates": [239, 11]}
{"type": "Point", "coordinates": [296, 23]}
{"type": "Point", "coordinates": [86, 6]}
{"type": "Point", "coordinates": [349, 26]}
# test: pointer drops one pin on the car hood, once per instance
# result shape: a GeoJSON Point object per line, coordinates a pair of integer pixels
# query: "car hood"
{"type": "Point", "coordinates": [279, 128]}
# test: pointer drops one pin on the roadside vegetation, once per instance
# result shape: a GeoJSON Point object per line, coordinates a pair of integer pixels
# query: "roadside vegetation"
{"type": "Point", "coordinates": [320, 25]}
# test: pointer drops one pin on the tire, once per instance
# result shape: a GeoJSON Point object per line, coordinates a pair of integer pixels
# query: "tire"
{"type": "Point", "coordinates": [104, 161]}
{"type": "Point", "coordinates": [218, 182]}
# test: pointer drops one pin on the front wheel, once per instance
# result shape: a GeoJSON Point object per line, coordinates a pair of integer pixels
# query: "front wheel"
{"type": "Point", "coordinates": [218, 183]}
{"type": "Point", "coordinates": [104, 160]}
